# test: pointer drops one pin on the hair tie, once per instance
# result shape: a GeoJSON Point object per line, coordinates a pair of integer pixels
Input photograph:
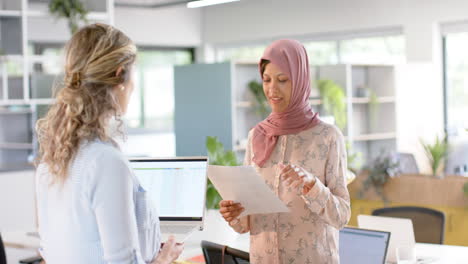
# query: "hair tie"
{"type": "Point", "coordinates": [76, 79]}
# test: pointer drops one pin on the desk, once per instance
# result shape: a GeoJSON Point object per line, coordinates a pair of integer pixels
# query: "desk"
{"type": "Point", "coordinates": [441, 254]}
{"type": "Point", "coordinates": [19, 245]}
{"type": "Point", "coordinates": [429, 253]}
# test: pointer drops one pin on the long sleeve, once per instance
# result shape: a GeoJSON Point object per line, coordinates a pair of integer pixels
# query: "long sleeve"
{"type": "Point", "coordinates": [331, 200]}
{"type": "Point", "coordinates": [111, 197]}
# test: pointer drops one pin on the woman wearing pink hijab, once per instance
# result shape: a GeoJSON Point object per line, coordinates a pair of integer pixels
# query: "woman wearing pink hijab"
{"type": "Point", "coordinates": [303, 160]}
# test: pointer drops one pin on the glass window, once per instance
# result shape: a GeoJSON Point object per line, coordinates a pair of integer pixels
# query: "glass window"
{"type": "Point", "coordinates": [371, 50]}
{"type": "Point", "coordinates": [456, 86]}
{"type": "Point", "coordinates": [246, 53]}
{"type": "Point", "coordinates": [375, 50]}
{"type": "Point", "coordinates": [152, 103]}
{"type": "Point", "coordinates": [322, 52]}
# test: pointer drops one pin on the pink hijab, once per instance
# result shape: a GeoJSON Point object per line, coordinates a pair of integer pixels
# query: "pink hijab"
{"type": "Point", "coordinates": [291, 57]}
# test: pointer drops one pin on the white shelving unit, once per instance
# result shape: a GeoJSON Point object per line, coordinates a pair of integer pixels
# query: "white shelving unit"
{"type": "Point", "coordinates": [227, 105]}
{"type": "Point", "coordinates": [25, 96]}
{"type": "Point", "coordinates": [369, 129]}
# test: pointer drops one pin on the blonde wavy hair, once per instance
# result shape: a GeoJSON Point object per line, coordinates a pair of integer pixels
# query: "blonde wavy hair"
{"type": "Point", "coordinates": [98, 58]}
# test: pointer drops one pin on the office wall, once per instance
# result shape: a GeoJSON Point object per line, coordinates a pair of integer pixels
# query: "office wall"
{"type": "Point", "coordinates": [170, 26]}
{"type": "Point", "coordinates": [202, 107]}
{"type": "Point", "coordinates": [266, 19]}
{"type": "Point", "coordinates": [420, 84]}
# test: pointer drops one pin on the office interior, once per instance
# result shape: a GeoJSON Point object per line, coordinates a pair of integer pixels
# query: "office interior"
{"type": "Point", "coordinates": [398, 71]}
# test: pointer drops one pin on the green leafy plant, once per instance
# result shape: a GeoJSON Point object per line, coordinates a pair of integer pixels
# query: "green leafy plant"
{"type": "Point", "coordinates": [333, 100]}
{"type": "Point", "coordinates": [384, 167]}
{"type": "Point", "coordinates": [436, 153]}
{"type": "Point", "coordinates": [217, 156]}
{"type": "Point", "coordinates": [261, 104]}
{"type": "Point", "coordinates": [73, 10]}
{"type": "Point", "coordinates": [373, 106]}
{"type": "Point", "coordinates": [354, 159]}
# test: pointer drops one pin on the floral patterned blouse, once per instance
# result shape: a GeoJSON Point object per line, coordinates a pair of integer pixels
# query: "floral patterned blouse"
{"type": "Point", "coordinates": [309, 232]}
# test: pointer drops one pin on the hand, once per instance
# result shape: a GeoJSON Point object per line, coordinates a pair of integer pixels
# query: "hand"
{"type": "Point", "coordinates": [295, 176]}
{"type": "Point", "coordinates": [230, 210]}
{"type": "Point", "coordinates": [169, 252]}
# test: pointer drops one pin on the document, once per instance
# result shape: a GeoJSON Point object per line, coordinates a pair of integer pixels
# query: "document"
{"type": "Point", "coordinates": [244, 185]}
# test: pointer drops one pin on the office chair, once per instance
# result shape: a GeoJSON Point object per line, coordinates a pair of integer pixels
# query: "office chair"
{"type": "Point", "coordinates": [408, 164]}
{"type": "Point", "coordinates": [2, 252]}
{"type": "Point", "coordinates": [220, 254]}
{"type": "Point", "coordinates": [428, 224]}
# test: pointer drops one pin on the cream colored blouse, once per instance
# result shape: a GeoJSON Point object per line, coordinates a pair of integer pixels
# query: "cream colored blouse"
{"type": "Point", "coordinates": [309, 232]}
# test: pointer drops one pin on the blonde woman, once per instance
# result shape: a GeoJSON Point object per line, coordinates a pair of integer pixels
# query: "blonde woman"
{"type": "Point", "coordinates": [91, 208]}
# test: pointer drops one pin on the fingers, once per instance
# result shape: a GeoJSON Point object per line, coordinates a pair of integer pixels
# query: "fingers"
{"type": "Point", "coordinates": [231, 208]}
{"type": "Point", "coordinates": [286, 169]}
{"type": "Point", "coordinates": [231, 215]}
{"type": "Point", "coordinates": [170, 241]}
{"type": "Point", "coordinates": [225, 203]}
{"type": "Point", "coordinates": [293, 175]}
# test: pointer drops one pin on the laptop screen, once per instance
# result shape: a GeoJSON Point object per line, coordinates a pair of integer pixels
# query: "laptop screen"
{"type": "Point", "coordinates": [176, 186]}
{"type": "Point", "coordinates": [363, 246]}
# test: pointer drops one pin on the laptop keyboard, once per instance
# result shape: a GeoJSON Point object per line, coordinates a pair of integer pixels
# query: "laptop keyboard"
{"type": "Point", "coordinates": [176, 229]}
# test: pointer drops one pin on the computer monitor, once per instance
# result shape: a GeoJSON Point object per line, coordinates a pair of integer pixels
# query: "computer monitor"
{"type": "Point", "coordinates": [176, 186]}
{"type": "Point", "coordinates": [363, 246]}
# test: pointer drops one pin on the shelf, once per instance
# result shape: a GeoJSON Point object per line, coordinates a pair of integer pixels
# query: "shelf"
{"type": "Point", "coordinates": [248, 63]}
{"type": "Point", "coordinates": [239, 148]}
{"type": "Point", "coordinates": [11, 58]}
{"type": "Point", "coordinates": [366, 100]}
{"type": "Point", "coordinates": [42, 101]}
{"type": "Point", "coordinates": [46, 14]}
{"type": "Point", "coordinates": [15, 112]}
{"type": "Point", "coordinates": [16, 146]}
{"type": "Point", "coordinates": [10, 13]}
{"type": "Point", "coordinates": [247, 104]}
{"type": "Point", "coordinates": [43, 58]}
{"type": "Point", "coordinates": [375, 136]}
{"type": "Point", "coordinates": [45, 101]}
{"type": "Point", "coordinates": [315, 101]}
{"type": "Point", "coordinates": [244, 104]}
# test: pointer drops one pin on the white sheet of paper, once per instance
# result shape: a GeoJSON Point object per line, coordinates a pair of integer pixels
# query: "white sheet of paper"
{"type": "Point", "coordinates": [243, 184]}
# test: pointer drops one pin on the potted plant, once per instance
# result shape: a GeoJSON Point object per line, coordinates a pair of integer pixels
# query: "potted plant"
{"type": "Point", "coordinates": [261, 104]}
{"type": "Point", "coordinates": [217, 156]}
{"type": "Point", "coordinates": [384, 167]}
{"type": "Point", "coordinates": [73, 10]}
{"type": "Point", "coordinates": [333, 100]}
{"type": "Point", "coordinates": [216, 228]}
{"type": "Point", "coordinates": [436, 154]}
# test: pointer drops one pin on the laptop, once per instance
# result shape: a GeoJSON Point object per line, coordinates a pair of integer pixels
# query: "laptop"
{"type": "Point", "coordinates": [400, 228]}
{"type": "Point", "coordinates": [177, 187]}
{"type": "Point", "coordinates": [363, 246]}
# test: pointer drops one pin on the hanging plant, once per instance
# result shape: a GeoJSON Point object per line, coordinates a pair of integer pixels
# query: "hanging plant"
{"type": "Point", "coordinates": [73, 10]}
{"type": "Point", "coordinates": [261, 104]}
{"type": "Point", "coordinates": [333, 100]}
